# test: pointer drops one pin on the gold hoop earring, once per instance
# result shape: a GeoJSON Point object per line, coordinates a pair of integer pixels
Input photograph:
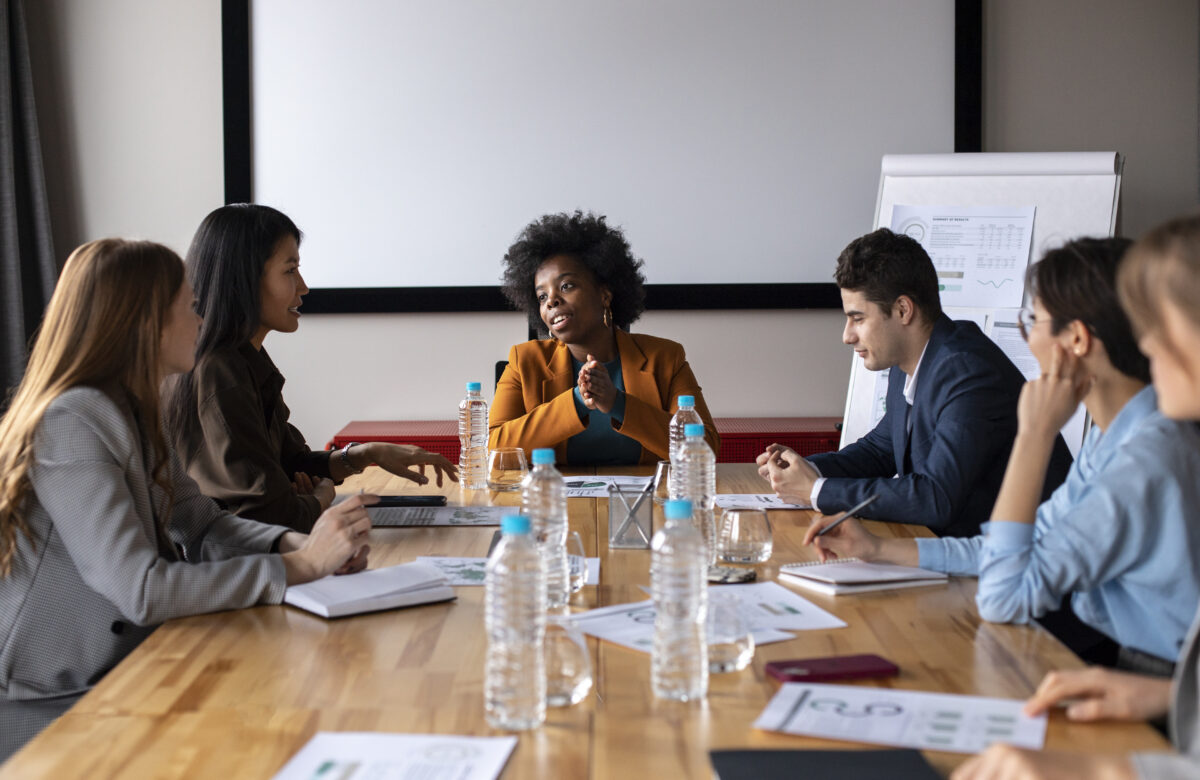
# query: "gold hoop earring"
{"type": "Point", "coordinates": [607, 317]}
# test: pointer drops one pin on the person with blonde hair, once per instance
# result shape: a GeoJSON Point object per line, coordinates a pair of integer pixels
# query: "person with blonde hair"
{"type": "Point", "coordinates": [1159, 286]}
{"type": "Point", "coordinates": [102, 534]}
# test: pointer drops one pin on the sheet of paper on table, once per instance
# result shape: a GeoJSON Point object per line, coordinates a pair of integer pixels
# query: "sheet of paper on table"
{"type": "Point", "coordinates": [470, 571]}
{"type": "Point", "coordinates": [755, 500]}
{"type": "Point", "coordinates": [350, 755]}
{"type": "Point", "coordinates": [882, 716]}
{"type": "Point", "coordinates": [409, 516]}
{"type": "Point", "coordinates": [597, 487]}
{"type": "Point", "coordinates": [770, 609]}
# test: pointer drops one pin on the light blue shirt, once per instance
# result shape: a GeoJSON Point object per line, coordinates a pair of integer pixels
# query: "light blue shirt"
{"type": "Point", "coordinates": [1122, 534]}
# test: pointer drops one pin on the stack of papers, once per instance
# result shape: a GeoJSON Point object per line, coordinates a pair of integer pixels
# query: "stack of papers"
{"type": "Point", "coordinates": [367, 756]}
{"type": "Point", "coordinates": [925, 721]}
{"type": "Point", "coordinates": [835, 578]}
{"type": "Point", "coordinates": [368, 591]}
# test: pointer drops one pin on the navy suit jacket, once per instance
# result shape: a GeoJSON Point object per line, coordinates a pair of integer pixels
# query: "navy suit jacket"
{"type": "Point", "coordinates": [964, 419]}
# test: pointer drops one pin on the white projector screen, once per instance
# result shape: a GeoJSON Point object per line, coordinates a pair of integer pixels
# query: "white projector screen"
{"type": "Point", "coordinates": [735, 141]}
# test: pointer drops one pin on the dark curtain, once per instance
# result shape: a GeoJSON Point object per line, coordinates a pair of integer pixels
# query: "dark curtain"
{"type": "Point", "coordinates": [27, 268]}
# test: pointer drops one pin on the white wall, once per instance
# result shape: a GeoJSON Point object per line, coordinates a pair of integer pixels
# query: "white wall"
{"type": "Point", "coordinates": [129, 102]}
{"type": "Point", "coordinates": [1098, 75]}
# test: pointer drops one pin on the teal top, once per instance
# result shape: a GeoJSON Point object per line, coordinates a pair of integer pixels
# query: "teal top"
{"type": "Point", "coordinates": [600, 444]}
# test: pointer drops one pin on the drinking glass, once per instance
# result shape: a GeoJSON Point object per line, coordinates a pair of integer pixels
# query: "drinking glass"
{"type": "Point", "coordinates": [568, 664]}
{"type": "Point", "coordinates": [577, 559]}
{"type": "Point", "coordinates": [730, 643]}
{"type": "Point", "coordinates": [506, 469]}
{"type": "Point", "coordinates": [662, 476]}
{"type": "Point", "coordinates": [745, 536]}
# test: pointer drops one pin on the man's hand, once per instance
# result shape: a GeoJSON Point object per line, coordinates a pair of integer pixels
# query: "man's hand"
{"type": "Point", "coordinates": [790, 475]}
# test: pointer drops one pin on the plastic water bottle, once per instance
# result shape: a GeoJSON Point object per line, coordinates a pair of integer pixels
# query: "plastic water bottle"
{"type": "Point", "coordinates": [472, 439]}
{"type": "Point", "coordinates": [698, 472]}
{"type": "Point", "coordinates": [514, 688]}
{"type": "Point", "coordinates": [679, 586]}
{"type": "Point", "coordinates": [685, 414]}
{"type": "Point", "coordinates": [544, 502]}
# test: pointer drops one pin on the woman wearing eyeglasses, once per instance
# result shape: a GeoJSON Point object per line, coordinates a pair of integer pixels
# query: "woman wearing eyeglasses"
{"type": "Point", "coordinates": [1123, 531]}
{"type": "Point", "coordinates": [1160, 288]}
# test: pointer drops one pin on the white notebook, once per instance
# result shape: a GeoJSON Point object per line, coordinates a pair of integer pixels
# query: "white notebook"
{"type": "Point", "coordinates": [368, 591]}
{"type": "Point", "coordinates": [850, 575]}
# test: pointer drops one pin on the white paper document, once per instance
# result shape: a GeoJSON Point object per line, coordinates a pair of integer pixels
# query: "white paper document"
{"type": "Point", "coordinates": [980, 252]}
{"type": "Point", "coordinates": [597, 487]}
{"type": "Point", "coordinates": [470, 571]}
{"type": "Point", "coordinates": [352, 755]}
{"type": "Point", "coordinates": [408, 516]}
{"type": "Point", "coordinates": [1006, 333]}
{"type": "Point", "coordinates": [755, 501]}
{"type": "Point", "coordinates": [881, 716]}
{"type": "Point", "coordinates": [770, 609]}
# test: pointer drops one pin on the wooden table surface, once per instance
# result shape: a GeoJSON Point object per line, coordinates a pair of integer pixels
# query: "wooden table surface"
{"type": "Point", "coordinates": [235, 694]}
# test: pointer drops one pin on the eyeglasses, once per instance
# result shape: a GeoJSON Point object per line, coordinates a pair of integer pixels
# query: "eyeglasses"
{"type": "Point", "coordinates": [1026, 319]}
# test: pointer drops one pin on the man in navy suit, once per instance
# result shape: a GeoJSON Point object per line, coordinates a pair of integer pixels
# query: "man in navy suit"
{"type": "Point", "coordinates": [937, 457]}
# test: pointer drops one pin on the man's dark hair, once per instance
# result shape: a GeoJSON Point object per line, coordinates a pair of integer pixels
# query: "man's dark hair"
{"type": "Point", "coordinates": [1078, 281]}
{"type": "Point", "coordinates": [883, 266]}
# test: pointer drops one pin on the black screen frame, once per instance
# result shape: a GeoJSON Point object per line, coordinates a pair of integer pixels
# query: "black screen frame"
{"type": "Point", "coordinates": [237, 97]}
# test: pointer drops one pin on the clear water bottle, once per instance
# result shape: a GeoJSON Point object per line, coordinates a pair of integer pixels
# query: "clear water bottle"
{"type": "Point", "coordinates": [544, 502]}
{"type": "Point", "coordinates": [514, 688]}
{"type": "Point", "coordinates": [685, 414]}
{"type": "Point", "coordinates": [698, 472]}
{"type": "Point", "coordinates": [473, 439]}
{"type": "Point", "coordinates": [679, 586]}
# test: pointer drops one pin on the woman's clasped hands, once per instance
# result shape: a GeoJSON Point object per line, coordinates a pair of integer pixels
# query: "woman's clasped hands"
{"type": "Point", "coordinates": [596, 386]}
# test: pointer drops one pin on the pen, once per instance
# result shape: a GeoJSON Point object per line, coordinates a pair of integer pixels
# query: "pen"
{"type": "Point", "coordinates": [848, 513]}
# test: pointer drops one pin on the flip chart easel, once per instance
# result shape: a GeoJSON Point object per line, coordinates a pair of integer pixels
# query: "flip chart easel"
{"type": "Point", "coordinates": [1075, 194]}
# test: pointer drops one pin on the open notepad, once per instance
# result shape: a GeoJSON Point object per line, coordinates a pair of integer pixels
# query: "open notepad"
{"type": "Point", "coordinates": [395, 586]}
{"type": "Point", "coordinates": [851, 575]}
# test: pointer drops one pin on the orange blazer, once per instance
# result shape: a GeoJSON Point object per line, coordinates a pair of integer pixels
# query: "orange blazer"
{"type": "Point", "coordinates": [535, 404]}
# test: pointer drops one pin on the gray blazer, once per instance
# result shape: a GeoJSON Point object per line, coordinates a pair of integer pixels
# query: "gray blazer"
{"type": "Point", "coordinates": [1185, 719]}
{"type": "Point", "coordinates": [98, 578]}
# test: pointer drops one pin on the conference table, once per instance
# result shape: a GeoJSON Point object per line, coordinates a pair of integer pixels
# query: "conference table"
{"type": "Point", "coordinates": [236, 694]}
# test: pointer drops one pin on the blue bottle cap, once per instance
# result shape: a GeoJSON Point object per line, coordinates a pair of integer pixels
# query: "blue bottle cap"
{"type": "Point", "coordinates": [693, 429]}
{"type": "Point", "coordinates": [514, 524]}
{"type": "Point", "coordinates": [474, 387]}
{"type": "Point", "coordinates": [686, 400]}
{"type": "Point", "coordinates": [543, 456]}
{"type": "Point", "coordinates": [677, 509]}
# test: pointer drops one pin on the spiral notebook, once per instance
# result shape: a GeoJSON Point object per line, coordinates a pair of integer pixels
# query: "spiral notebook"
{"type": "Point", "coordinates": [850, 575]}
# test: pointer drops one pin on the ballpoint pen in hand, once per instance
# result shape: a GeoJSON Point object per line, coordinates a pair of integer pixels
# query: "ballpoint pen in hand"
{"type": "Point", "coordinates": [848, 513]}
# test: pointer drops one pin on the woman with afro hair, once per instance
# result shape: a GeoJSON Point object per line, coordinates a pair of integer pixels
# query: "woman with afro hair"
{"type": "Point", "coordinates": [595, 392]}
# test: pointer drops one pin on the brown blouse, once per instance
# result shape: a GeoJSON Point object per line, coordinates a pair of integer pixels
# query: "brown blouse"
{"type": "Point", "coordinates": [248, 450]}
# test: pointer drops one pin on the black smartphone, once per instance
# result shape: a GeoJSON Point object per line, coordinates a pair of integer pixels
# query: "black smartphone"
{"type": "Point", "coordinates": [411, 501]}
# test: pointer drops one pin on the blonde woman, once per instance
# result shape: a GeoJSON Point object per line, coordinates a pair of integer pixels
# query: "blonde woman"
{"type": "Point", "coordinates": [102, 534]}
{"type": "Point", "coordinates": [1159, 285]}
